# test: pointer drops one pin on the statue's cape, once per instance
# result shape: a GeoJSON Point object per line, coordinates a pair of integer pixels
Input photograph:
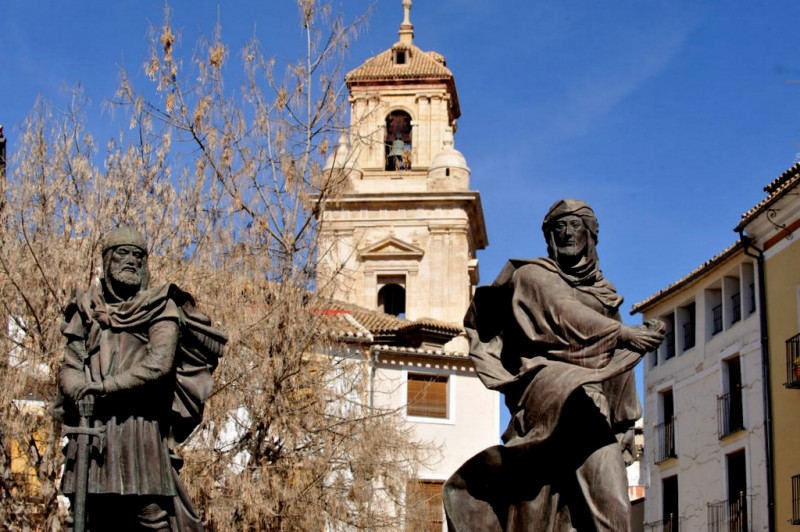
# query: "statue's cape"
{"type": "Point", "coordinates": [198, 352]}
{"type": "Point", "coordinates": [488, 320]}
{"type": "Point", "coordinates": [534, 339]}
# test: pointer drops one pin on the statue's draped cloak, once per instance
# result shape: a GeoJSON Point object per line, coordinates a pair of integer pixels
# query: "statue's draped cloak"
{"type": "Point", "coordinates": [154, 354]}
{"type": "Point", "coordinates": [539, 335]}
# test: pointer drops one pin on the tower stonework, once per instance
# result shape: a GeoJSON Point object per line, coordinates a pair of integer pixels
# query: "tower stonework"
{"type": "Point", "coordinates": [403, 236]}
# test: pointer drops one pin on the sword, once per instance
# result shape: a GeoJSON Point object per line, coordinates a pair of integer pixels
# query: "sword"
{"type": "Point", "coordinates": [84, 431]}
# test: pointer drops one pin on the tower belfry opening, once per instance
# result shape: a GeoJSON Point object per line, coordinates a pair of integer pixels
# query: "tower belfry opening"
{"type": "Point", "coordinates": [398, 141]}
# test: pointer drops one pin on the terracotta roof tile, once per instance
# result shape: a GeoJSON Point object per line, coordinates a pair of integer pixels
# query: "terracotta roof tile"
{"type": "Point", "coordinates": [419, 64]}
{"type": "Point", "coordinates": [341, 325]}
{"type": "Point", "coordinates": [435, 325]}
{"type": "Point", "coordinates": [691, 276]}
{"type": "Point", "coordinates": [398, 350]}
{"type": "Point", "coordinates": [373, 320]}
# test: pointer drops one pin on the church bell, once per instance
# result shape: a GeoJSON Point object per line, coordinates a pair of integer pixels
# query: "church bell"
{"type": "Point", "coordinates": [397, 148]}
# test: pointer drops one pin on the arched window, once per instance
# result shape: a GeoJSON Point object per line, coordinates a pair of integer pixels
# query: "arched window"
{"type": "Point", "coordinates": [392, 299]}
{"type": "Point", "coordinates": [398, 141]}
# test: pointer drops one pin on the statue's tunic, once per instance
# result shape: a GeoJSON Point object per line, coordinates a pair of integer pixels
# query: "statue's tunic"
{"type": "Point", "coordinates": [547, 340]}
{"type": "Point", "coordinates": [154, 354]}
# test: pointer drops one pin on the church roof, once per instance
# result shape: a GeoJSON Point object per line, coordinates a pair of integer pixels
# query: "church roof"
{"type": "Point", "coordinates": [419, 65]}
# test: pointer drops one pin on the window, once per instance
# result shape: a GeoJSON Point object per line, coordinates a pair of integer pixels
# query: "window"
{"type": "Point", "coordinates": [752, 297]}
{"type": "Point", "coordinates": [793, 362]}
{"type": "Point", "coordinates": [427, 395]}
{"type": "Point", "coordinates": [665, 431]}
{"type": "Point", "coordinates": [392, 294]}
{"type": "Point", "coordinates": [737, 491]}
{"type": "Point", "coordinates": [736, 307]}
{"type": "Point", "coordinates": [730, 412]}
{"type": "Point", "coordinates": [392, 299]}
{"type": "Point", "coordinates": [796, 500]}
{"type": "Point", "coordinates": [400, 57]}
{"type": "Point", "coordinates": [687, 317]}
{"type": "Point", "coordinates": [669, 504]}
{"type": "Point", "coordinates": [669, 341]}
{"type": "Point", "coordinates": [424, 501]}
{"type": "Point", "coordinates": [716, 317]}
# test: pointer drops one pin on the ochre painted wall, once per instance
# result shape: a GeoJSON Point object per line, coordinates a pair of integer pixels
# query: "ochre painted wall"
{"type": "Point", "coordinates": [782, 280]}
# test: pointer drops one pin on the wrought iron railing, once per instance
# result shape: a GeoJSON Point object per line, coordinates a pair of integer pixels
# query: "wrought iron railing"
{"type": "Point", "coordinates": [670, 524]}
{"type": "Point", "coordinates": [796, 500]}
{"type": "Point", "coordinates": [728, 516]}
{"type": "Point", "coordinates": [793, 362]}
{"type": "Point", "coordinates": [716, 317]}
{"type": "Point", "coordinates": [665, 441]}
{"type": "Point", "coordinates": [730, 414]}
{"type": "Point", "coordinates": [736, 306]}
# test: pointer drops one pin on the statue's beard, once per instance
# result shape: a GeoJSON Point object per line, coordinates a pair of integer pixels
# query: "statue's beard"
{"type": "Point", "coordinates": [571, 251]}
{"type": "Point", "coordinates": [130, 279]}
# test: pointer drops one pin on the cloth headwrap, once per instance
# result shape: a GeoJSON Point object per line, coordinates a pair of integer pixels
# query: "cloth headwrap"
{"type": "Point", "coordinates": [566, 207]}
{"type": "Point", "coordinates": [575, 207]}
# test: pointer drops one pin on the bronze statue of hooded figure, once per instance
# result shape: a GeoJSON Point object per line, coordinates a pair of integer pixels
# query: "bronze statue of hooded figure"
{"type": "Point", "coordinates": [548, 335]}
{"type": "Point", "coordinates": [147, 355]}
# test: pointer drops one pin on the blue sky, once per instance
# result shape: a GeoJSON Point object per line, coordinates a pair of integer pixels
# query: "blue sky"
{"type": "Point", "coordinates": [668, 117]}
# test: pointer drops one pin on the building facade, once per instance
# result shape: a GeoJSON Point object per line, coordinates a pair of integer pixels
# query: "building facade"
{"type": "Point", "coordinates": [704, 403]}
{"type": "Point", "coordinates": [771, 231]}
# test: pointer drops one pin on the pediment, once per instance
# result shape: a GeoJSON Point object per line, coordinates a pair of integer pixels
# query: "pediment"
{"type": "Point", "coordinates": [391, 248]}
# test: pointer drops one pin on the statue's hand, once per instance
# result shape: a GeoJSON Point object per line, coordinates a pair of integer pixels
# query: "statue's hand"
{"type": "Point", "coordinates": [627, 444]}
{"type": "Point", "coordinates": [641, 338]}
{"type": "Point", "coordinates": [86, 405]}
{"type": "Point", "coordinates": [93, 388]}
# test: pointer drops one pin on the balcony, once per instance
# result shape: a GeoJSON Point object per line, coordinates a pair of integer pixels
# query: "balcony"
{"type": "Point", "coordinates": [671, 524]}
{"type": "Point", "coordinates": [796, 500]}
{"type": "Point", "coordinates": [665, 441]}
{"type": "Point", "coordinates": [730, 416]}
{"type": "Point", "coordinates": [728, 516]}
{"type": "Point", "coordinates": [793, 362]}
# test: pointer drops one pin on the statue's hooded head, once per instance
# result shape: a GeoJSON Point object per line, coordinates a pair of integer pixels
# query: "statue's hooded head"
{"type": "Point", "coordinates": [125, 261]}
{"type": "Point", "coordinates": [569, 210]}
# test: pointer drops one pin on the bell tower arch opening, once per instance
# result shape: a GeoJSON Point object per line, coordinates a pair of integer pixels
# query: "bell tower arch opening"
{"type": "Point", "coordinates": [398, 141]}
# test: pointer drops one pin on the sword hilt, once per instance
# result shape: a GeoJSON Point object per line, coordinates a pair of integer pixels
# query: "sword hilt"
{"type": "Point", "coordinates": [96, 431]}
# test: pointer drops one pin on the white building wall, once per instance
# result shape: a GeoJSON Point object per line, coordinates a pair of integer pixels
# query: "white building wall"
{"type": "Point", "coordinates": [473, 420]}
{"type": "Point", "coordinates": [697, 377]}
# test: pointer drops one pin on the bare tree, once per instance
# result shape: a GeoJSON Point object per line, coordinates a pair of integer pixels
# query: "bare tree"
{"type": "Point", "coordinates": [227, 186]}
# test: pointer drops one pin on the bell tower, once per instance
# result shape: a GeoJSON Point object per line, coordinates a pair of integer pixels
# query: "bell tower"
{"type": "Point", "coordinates": [403, 236]}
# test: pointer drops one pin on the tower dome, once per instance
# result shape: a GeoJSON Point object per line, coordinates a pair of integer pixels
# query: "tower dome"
{"type": "Point", "coordinates": [450, 164]}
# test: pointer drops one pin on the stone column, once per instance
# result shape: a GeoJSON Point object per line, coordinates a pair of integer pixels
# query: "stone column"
{"type": "Point", "coordinates": [422, 139]}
